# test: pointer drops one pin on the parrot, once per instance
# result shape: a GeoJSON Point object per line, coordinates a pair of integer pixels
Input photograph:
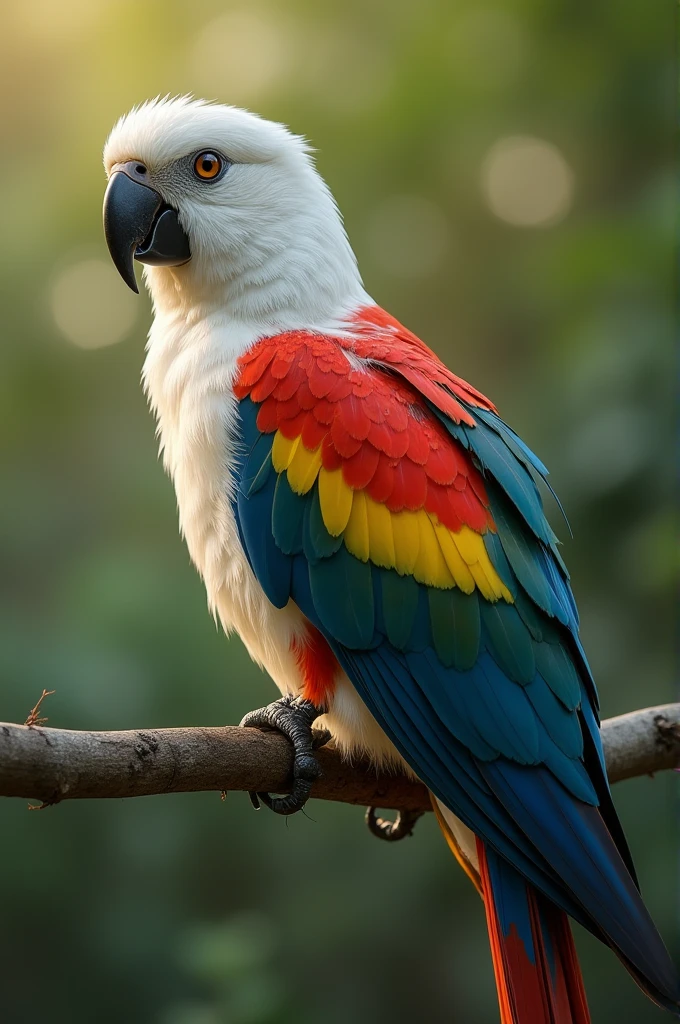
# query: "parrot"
{"type": "Point", "coordinates": [375, 533]}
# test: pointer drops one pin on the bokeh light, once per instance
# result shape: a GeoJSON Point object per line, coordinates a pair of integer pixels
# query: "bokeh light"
{"type": "Point", "coordinates": [239, 55]}
{"type": "Point", "coordinates": [89, 306]}
{"type": "Point", "coordinates": [59, 21]}
{"type": "Point", "coordinates": [527, 181]}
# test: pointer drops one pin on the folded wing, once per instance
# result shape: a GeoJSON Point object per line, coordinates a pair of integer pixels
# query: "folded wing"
{"type": "Point", "coordinates": [391, 503]}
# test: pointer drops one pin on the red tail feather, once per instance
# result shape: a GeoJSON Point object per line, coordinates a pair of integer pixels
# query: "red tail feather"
{"type": "Point", "coordinates": [543, 985]}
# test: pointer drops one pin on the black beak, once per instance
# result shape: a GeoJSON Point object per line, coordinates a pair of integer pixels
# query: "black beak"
{"type": "Point", "coordinates": [139, 226]}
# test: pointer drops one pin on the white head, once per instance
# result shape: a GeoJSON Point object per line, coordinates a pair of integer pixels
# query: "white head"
{"type": "Point", "coordinates": [266, 239]}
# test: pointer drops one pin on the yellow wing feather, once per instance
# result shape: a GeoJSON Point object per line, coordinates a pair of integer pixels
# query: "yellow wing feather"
{"type": "Point", "coordinates": [356, 531]}
{"type": "Point", "coordinates": [303, 469]}
{"type": "Point", "coordinates": [461, 574]}
{"type": "Point", "coordinates": [380, 534]}
{"type": "Point", "coordinates": [406, 542]}
{"type": "Point", "coordinates": [430, 567]}
{"type": "Point", "coordinates": [414, 543]}
{"type": "Point", "coordinates": [336, 500]}
{"type": "Point", "coordinates": [283, 450]}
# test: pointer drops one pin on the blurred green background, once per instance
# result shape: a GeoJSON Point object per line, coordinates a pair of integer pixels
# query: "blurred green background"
{"type": "Point", "coordinates": [505, 174]}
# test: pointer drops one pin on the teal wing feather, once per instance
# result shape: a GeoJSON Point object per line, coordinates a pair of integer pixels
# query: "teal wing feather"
{"type": "Point", "coordinates": [492, 704]}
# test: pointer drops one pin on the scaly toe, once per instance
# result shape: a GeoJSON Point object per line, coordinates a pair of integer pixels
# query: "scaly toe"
{"type": "Point", "coordinates": [293, 717]}
{"type": "Point", "coordinates": [392, 831]}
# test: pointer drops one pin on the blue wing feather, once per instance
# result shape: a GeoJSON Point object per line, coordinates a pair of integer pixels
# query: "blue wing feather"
{"type": "Point", "coordinates": [342, 595]}
{"type": "Point", "coordinates": [496, 712]}
{"type": "Point", "coordinates": [509, 641]}
{"type": "Point", "coordinates": [287, 514]}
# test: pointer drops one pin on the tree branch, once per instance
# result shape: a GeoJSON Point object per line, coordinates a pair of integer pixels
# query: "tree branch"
{"type": "Point", "coordinates": [59, 764]}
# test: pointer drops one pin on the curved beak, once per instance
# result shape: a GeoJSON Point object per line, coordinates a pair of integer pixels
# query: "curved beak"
{"type": "Point", "coordinates": [139, 225]}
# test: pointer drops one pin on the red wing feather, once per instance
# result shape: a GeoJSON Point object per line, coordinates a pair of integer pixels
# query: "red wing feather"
{"type": "Point", "coordinates": [360, 395]}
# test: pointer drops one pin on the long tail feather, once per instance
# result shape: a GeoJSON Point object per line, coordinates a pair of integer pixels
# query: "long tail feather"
{"type": "Point", "coordinates": [537, 973]}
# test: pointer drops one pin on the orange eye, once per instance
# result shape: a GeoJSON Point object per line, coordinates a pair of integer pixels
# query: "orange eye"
{"type": "Point", "coordinates": [207, 165]}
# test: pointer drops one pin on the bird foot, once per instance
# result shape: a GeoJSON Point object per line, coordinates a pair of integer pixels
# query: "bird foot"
{"type": "Point", "coordinates": [392, 831]}
{"type": "Point", "coordinates": [292, 716]}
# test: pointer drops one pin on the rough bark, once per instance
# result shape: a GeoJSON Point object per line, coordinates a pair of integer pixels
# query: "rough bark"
{"type": "Point", "coordinates": [60, 764]}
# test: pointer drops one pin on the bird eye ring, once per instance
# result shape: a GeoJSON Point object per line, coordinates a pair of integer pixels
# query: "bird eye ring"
{"type": "Point", "coordinates": [207, 166]}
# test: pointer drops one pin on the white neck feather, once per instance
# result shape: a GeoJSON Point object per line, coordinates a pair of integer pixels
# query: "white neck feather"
{"type": "Point", "coordinates": [296, 271]}
{"type": "Point", "coordinates": [202, 323]}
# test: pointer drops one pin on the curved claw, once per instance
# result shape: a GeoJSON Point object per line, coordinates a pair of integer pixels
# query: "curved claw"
{"type": "Point", "coordinates": [292, 716]}
{"type": "Point", "coordinates": [392, 831]}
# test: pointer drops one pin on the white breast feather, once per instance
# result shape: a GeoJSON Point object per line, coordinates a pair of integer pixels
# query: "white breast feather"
{"type": "Point", "coordinates": [188, 377]}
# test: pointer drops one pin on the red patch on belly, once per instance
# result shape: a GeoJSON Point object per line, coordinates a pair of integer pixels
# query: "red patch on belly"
{"type": "Point", "coordinates": [317, 664]}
